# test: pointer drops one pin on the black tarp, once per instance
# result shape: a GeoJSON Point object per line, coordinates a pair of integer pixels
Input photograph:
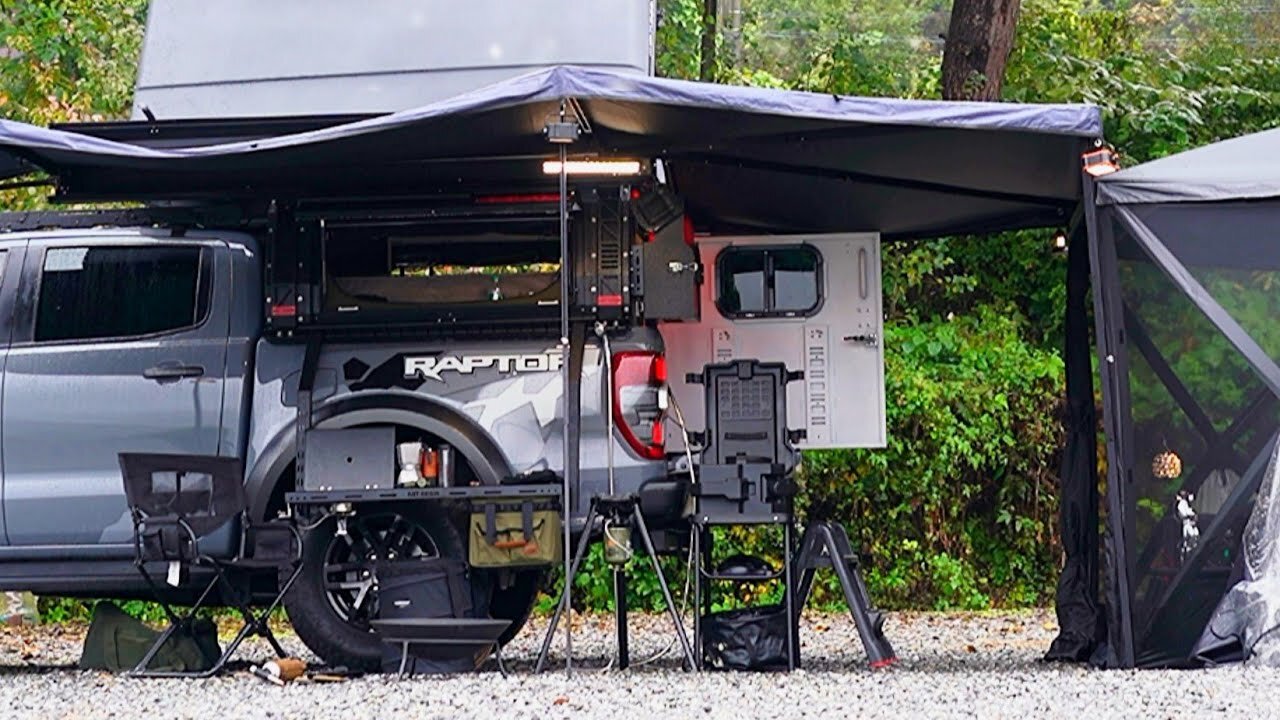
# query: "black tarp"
{"type": "Point", "coordinates": [743, 160]}
{"type": "Point", "coordinates": [1187, 287]}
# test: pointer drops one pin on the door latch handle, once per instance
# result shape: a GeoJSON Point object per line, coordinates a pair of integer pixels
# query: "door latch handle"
{"type": "Point", "coordinates": [868, 339]}
{"type": "Point", "coordinates": [172, 373]}
{"type": "Point", "coordinates": [676, 267]}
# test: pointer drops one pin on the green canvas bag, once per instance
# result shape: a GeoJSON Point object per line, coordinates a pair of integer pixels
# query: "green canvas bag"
{"type": "Point", "coordinates": [514, 535]}
{"type": "Point", "coordinates": [117, 641]}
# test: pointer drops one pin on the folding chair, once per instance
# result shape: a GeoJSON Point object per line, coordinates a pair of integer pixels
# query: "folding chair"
{"type": "Point", "coordinates": [190, 512]}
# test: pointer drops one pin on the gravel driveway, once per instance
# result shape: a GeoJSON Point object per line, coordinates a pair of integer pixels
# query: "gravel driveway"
{"type": "Point", "coordinates": [951, 665]}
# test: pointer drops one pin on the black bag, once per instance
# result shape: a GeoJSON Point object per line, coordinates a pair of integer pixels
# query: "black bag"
{"type": "Point", "coordinates": [426, 588]}
{"type": "Point", "coordinates": [117, 641]}
{"type": "Point", "coordinates": [423, 588]}
{"type": "Point", "coordinates": [752, 638]}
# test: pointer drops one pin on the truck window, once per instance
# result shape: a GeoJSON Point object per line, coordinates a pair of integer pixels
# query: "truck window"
{"type": "Point", "coordinates": [436, 272]}
{"type": "Point", "coordinates": [769, 282]}
{"type": "Point", "coordinates": [118, 292]}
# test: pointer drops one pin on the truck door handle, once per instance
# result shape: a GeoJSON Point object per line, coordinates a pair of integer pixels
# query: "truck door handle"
{"type": "Point", "coordinates": [868, 339]}
{"type": "Point", "coordinates": [166, 373]}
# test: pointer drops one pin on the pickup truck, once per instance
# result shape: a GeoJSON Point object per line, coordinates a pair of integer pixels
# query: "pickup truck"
{"type": "Point", "coordinates": [318, 284]}
{"type": "Point", "coordinates": [152, 339]}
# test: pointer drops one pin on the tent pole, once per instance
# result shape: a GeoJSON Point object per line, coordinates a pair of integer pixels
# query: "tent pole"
{"type": "Point", "coordinates": [1112, 371]}
{"type": "Point", "coordinates": [1077, 593]}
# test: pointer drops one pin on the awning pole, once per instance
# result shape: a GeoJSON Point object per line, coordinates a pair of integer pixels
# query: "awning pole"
{"type": "Point", "coordinates": [565, 367]}
{"type": "Point", "coordinates": [562, 133]}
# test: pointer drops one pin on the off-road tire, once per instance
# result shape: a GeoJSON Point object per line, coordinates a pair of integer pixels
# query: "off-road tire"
{"type": "Point", "coordinates": [319, 626]}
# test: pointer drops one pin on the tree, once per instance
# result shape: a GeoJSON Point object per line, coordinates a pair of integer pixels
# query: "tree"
{"type": "Point", "coordinates": [68, 60]}
{"type": "Point", "coordinates": [979, 40]}
{"type": "Point", "coordinates": [707, 66]}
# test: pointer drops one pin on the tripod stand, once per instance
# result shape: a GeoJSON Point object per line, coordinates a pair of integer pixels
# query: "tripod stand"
{"type": "Point", "coordinates": [621, 511]}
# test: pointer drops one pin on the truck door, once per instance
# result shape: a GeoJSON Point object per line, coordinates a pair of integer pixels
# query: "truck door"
{"type": "Point", "coordinates": [120, 345]}
{"type": "Point", "coordinates": [812, 302]}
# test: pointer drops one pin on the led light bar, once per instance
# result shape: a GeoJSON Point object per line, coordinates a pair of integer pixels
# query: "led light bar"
{"type": "Point", "coordinates": [593, 167]}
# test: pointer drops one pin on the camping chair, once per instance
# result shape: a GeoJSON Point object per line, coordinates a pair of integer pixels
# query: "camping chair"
{"type": "Point", "coordinates": [190, 511]}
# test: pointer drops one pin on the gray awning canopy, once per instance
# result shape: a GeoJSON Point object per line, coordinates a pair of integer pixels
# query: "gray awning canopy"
{"type": "Point", "coordinates": [742, 158]}
{"type": "Point", "coordinates": [1243, 168]}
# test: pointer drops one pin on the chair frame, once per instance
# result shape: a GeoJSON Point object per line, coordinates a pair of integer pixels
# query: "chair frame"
{"type": "Point", "coordinates": [224, 570]}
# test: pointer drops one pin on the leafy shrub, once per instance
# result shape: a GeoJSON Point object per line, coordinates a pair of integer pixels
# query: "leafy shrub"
{"type": "Point", "coordinates": [60, 609]}
{"type": "Point", "coordinates": [959, 509]}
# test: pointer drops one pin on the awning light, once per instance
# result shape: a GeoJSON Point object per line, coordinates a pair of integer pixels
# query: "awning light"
{"type": "Point", "coordinates": [1101, 162]}
{"type": "Point", "coordinates": [593, 167]}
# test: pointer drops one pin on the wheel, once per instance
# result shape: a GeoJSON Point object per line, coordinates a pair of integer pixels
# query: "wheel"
{"type": "Point", "coordinates": [333, 600]}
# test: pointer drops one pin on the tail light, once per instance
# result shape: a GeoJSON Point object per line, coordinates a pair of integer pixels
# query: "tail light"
{"type": "Point", "coordinates": [639, 383]}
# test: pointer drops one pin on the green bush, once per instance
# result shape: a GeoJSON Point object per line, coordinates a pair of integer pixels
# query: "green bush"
{"type": "Point", "coordinates": [60, 610]}
{"type": "Point", "coordinates": [958, 511]}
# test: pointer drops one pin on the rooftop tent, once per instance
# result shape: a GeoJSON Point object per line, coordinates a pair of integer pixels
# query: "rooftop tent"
{"type": "Point", "coordinates": [744, 160]}
{"type": "Point", "coordinates": [1187, 268]}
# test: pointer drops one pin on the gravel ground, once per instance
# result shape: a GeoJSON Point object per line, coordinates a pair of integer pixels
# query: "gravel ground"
{"type": "Point", "coordinates": [951, 665]}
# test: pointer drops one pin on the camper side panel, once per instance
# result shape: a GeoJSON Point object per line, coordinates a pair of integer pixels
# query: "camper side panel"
{"type": "Point", "coordinates": [812, 302]}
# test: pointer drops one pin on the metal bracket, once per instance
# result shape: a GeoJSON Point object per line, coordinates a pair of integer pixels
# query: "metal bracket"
{"type": "Point", "coordinates": [306, 383]}
{"type": "Point", "coordinates": [562, 132]}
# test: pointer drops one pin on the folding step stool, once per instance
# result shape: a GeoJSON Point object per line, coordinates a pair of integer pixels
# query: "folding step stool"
{"type": "Point", "coordinates": [826, 545]}
{"type": "Point", "coordinates": [744, 478]}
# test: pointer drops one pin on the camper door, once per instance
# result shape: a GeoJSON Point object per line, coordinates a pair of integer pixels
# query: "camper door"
{"type": "Point", "coordinates": [809, 301]}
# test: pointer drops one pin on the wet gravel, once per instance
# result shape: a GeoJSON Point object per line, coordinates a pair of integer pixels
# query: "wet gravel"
{"type": "Point", "coordinates": [951, 665]}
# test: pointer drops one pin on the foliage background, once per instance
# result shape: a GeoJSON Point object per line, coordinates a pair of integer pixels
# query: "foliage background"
{"type": "Point", "coordinates": [959, 510]}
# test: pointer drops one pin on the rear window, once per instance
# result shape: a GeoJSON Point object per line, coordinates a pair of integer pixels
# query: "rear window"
{"type": "Point", "coordinates": [118, 292]}
{"type": "Point", "coordinates": [769, 282]}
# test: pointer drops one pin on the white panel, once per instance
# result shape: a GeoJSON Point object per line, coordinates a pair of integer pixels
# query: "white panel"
{"type": "Point", "coordinates": [841, 400]}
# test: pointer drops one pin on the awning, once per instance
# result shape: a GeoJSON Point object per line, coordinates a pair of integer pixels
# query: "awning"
{"type": "Point", "coordinates": [742, 158]}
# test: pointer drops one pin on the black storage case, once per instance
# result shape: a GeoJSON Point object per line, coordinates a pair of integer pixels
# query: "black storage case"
{"type": "Point", "coordinates": [426, 588]}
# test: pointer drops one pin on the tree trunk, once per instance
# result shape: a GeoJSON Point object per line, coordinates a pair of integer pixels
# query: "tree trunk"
{"type": "Point", "coordinates": [707, 67]}
{"type": "Point", "coordinates": [979, 40]}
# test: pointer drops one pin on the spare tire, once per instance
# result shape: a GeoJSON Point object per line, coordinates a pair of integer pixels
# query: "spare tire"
{"type": "Point", "coordinates": [333, 600]}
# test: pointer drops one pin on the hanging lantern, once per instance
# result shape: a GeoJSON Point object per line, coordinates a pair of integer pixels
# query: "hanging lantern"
{"type": "Point", "coordinates": [1166, 465]}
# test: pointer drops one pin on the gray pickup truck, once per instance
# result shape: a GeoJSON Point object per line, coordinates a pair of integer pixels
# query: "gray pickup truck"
{"type": "Point", "coordinates": [336, 324]}
{"type": "Point", "coordinates": [150, 340]}
{"type": "Point", "coordinates": [433, 330]}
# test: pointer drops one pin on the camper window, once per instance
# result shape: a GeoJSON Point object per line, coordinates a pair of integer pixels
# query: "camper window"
{"type": "Point", "coordinates": [454, 272]}
{"type": "Point", "coordinates": [769, 281]}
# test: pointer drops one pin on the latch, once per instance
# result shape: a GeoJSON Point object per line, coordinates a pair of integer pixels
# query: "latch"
{"type": "Point", "coordinates": [868, 339]}
{"type": "Point", "coordinates": [675, 267]}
